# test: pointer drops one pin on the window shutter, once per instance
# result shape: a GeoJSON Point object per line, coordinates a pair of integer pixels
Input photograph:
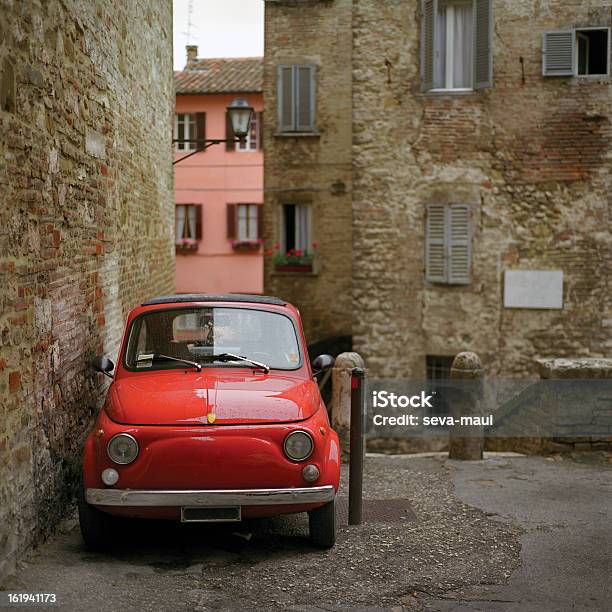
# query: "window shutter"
{"type": "Point", "coordinates": [231, 221]}
{"type": "Point", "coordinates": [285, 93]}
{"type": "Point", "coordinates": [483, 44]}
{"type": "Point", "coordinates": [459, 248]}
{"type": "Point", "coordinates": [200, 134]}
{"type": "Point", "coordinates": [260, 131]}
{"type": "Point", "coordinates": [198, 216]}
{"type": "Point", "coordinates": [260, 221]}
{"type": "Point", "coordinates": [230, 137]}
{"type": "Point", "coordinates": [305, 96]}
{"type": "Point", "coordinates": [435, 268]}
{"type": "Point", "coordinates": [429, 10]}
{"type": "Point", "coordinates": [558, 53]}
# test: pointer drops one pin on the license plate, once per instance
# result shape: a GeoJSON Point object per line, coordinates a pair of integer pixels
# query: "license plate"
{"type": "Point", "coordinates": [223, 514]}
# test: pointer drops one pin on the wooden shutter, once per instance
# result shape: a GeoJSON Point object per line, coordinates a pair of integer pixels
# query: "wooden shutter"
{"type": "Point", "coordinates": [198, 216]}
{"type": "Point", "coordinates": [459, 247]}
{"type": "Point", "coordinates": [260, 131]}
{"type": "Point", "coordinates": [558, 53]}
{"type": "Point", "coordinates": [200, 134]}
{"type": "Point", "coordinates": [231, 221]}
{"type": "Point", "coordinates": [435, 260]}
{"type": "Point", "coordinates": [305, 77]}
{"type": "Point", "coordinates": [285, 93]}
{"type": "Point", "coordinates": [483, 44]}
{"type": "Point", "coordinates": [230, 137]}
{"type": "Point", "coordinates": [429, 10]}
{"type": "Point", "coordinates": [260, 221]}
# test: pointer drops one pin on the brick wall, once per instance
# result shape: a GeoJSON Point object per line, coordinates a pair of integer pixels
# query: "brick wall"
{"type": "Point", "coordinates": [312, 169]}
{"type": "Point", "coordinates": [86, 228]}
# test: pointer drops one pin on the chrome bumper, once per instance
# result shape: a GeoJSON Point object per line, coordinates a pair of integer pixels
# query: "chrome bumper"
{"type": "Point", "coordinates": [229, 497]}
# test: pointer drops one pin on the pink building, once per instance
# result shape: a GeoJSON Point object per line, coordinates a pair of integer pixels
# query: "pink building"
{"type": "Point", "coordinates": [219, 191]}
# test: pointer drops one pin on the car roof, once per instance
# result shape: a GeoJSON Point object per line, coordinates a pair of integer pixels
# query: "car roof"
{"type": "Point", "coordinates": [199, 297]}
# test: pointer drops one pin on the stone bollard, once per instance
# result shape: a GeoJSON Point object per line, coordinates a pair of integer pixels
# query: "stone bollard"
{"type": "Point", "coordinates": [340, 406]}
{"type": "Point", "coordinates": [466, 442]}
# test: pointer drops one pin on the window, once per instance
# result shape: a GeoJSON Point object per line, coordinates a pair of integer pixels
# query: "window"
{"type": "Point", "coordinates": [295, 228]}
{"type": "Point", "coordinates": [576, 52]}
{"type": "Point", "coordinates": [244, 222]}
{"type": "Point", "coordinates": [189, 131]}
{"type": "Point", "coordinates": [188, 223]}
{"type": "Point", "coordinates": [296, 98]}
{"type": "Point", "coordinates": [448, 244]}
{"type": "Point", "coordinates": [251, 143]}
{"type": "Point", "coordinates": [248, 216]}
{"type": "Point", "coordinates": [438, 370]}
{"type": "Point", "coordinates": [456, 40]}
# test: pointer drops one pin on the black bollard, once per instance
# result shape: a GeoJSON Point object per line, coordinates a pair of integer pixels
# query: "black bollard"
{"type": "Point", "coordinates": [357, 446]}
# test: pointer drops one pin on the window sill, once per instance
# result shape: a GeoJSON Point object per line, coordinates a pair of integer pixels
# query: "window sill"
{"type": "Point", "coordinates": [448, 92]}
{"type": "Point", "coordinates": [311, 274]}
{"type": "Point", "coordinates": [186, 249]}
{"type": "Point", "coordinates": [297, 134]}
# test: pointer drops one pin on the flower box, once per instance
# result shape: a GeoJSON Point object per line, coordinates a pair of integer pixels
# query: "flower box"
{"type": "Point", "coordinates": [246, 246]}
{"type": "Point", "coordinates": [293, 267]}
{"type": "Point", "coordinates": [186, 248]}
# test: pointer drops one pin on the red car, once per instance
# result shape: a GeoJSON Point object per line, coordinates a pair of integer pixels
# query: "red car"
{"type": "Point", "coordinates": [214, 414]}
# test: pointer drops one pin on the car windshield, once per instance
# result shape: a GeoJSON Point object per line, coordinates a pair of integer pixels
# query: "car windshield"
{"type": "Point", "coordinates": [201, 334]}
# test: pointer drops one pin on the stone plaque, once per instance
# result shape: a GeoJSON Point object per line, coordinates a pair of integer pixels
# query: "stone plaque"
{"type": "Point", "coordinates": [533, 289]}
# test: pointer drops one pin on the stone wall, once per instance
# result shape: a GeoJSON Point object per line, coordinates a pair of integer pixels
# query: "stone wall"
{"type": "Point", "coordinates": [86, 228]}
{"type": "Point", "coordinates": [313, 169]}
{"type": "Point", "coordinates": [530, 155]}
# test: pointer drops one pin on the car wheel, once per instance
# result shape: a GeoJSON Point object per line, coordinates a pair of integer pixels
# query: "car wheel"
{"type": "Point", "coordinates": [96, 526]}
{"type": "Point", "coordinates": [322, 522]}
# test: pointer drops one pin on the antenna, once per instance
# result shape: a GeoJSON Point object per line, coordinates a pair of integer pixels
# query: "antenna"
{"type": "Point", "coordinates": [189, 22]}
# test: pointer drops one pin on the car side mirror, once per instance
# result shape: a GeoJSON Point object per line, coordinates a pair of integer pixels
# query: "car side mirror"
{"type": "Point", "coordinates": [322, 363]}
{"type": "Point", "coordinates": [104, 365]}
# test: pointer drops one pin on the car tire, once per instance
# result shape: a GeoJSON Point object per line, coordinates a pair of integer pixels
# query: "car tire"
{"type": "Point", "coordinates": [322, 523]}
{"type": "Point", "coordinates": [97, 527]}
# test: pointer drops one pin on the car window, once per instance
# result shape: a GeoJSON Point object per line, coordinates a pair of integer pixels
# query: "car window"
{"type": "Point", "coordinates": [200, 334]}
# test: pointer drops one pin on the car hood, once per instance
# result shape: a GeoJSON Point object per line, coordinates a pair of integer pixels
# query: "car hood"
{"type": "Point", "coordinates": [190, 398]}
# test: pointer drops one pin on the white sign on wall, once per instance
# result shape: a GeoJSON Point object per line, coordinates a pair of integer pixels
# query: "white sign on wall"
{"type": "Point", "coordinates": [533, 289]}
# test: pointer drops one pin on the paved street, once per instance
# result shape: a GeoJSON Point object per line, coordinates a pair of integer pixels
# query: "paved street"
{"type": "Point", "coordinates": [507, 533]}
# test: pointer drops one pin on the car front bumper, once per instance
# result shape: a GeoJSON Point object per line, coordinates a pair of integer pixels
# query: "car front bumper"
{"type": "Point", "coordinates": [209, 498]}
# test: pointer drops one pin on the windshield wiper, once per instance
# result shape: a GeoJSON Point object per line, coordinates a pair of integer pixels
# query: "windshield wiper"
{"type": "Point", "coordinates": [194, 364]}
{"type": "Point", "coordinates": [232, 357]}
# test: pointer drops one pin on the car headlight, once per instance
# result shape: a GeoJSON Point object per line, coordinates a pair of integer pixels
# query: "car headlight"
{"type": "Point", "coordinates": [122, 448]}
{"type": "Point", "coordinates": [298, 445]}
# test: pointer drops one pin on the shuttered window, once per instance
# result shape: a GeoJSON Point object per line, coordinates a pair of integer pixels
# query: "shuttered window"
{"type": "Point", "coordinates": [456, 44]}
{"type": "Point", "coordinates": [558, 50]}
{"type": "Point", "coordinates": [576, 52]}
{"type": "Point", "coordinates": [296, 98]}
{"type": "Point", "coordinates": [448, 244]}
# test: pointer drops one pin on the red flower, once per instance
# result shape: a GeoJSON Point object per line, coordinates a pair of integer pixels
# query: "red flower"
{"type": "Point", "coordinates": [314, 245]}
{"type": "Point", "coordinates": [277, 247]}
{"type": "Point", "coordinates": [298, 253]}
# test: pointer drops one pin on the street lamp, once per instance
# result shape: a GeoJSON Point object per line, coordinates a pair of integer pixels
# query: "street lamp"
{"type": "Point", "coordinates": [240, 114]}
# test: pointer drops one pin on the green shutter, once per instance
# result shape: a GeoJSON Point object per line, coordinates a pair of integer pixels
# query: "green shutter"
{"type": "Point", "coordinates": [285, 93]}
{"type": "Point", "coordinates": [429, 9]}
{"type": "Point", "coordinates": [458, 245]}
{"type": "Point", "coordinates": [435, 260]}
{"type": "Point", "coordinates": [558, 53]}
{"type": "Point", "coordinates": [483, 44]}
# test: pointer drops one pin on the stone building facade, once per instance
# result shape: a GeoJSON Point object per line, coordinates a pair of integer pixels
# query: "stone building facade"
{"type": "Point", "coordinates": [311, 167]}
{"type": "Point", "coordinates": [86, 228]}
{"type": "Point", "coordinates": [526, 157]}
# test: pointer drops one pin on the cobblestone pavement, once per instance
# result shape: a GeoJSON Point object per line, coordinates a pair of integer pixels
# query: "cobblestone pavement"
{"type": "Point", "coordinates": [463, 549]}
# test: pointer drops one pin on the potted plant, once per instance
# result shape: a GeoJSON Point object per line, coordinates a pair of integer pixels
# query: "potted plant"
{"type": "Point", "coordinates": [293, 260]}
{"type": "Point", "coordinates": [246, 246]}
{"type": "Point", "coordinates": [186, 245]}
